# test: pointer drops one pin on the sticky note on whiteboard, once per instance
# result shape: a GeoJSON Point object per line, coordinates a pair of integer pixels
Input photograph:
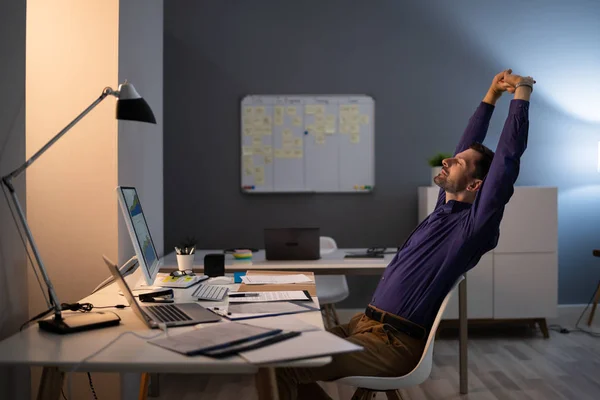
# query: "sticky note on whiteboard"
{"type": "Point", "coordinates": [268, 159]}
{"type": "Point", "coordinates": [297, 121]}
{"type": "Point", "coordinates": [310, 109]}
{"type": "Point", "coordinates": [364, 119]}
{"type": "Point", "coordinates": [355, 138]}
{"type": "Point", "coordinates": [248, 110]}
{"type": "Point", "coordinates": [259, 110]}
{"type": "Point", "coordinates": [291, 110]}
{"type": "Point", "coordinates": [320, 139]}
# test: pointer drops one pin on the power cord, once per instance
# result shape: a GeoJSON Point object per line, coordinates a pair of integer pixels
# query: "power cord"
{"type": "Point", "coordinates": [92, 386]}
{"type": "Point", "coordinates": [563, 330]}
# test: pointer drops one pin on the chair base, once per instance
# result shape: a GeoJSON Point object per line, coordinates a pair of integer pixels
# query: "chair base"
{"type": "Point", "coordinates": [368, 394]}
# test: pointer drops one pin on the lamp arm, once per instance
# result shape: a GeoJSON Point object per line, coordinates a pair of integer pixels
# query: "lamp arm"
{"type": "Point", "coordinates": [7, 181]}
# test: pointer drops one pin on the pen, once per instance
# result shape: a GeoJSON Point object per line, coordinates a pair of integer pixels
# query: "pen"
{"type": "Point", "coordinates": [243, 294]}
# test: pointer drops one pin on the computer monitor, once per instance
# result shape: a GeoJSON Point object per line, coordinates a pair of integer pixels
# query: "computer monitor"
{"type": "Point", "coordinates": [139, 232]}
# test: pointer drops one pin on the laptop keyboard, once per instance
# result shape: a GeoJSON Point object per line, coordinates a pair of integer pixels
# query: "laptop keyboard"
{"type": "Point", "coordinates": [168, 313]}
{"type": "Point", "coordinates": [210, 292]}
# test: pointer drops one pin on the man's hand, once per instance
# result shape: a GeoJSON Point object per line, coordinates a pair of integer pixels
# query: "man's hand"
{"type": "Point", "coordinates": [512, 79]}
{"type": "Point", "coordinates": [522, 92]}
{"type": "Point", "coordinates": [499, 85]}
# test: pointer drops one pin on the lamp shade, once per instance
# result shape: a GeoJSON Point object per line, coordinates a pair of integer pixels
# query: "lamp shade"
{"type": "Point", "coordinates": [132, 107]}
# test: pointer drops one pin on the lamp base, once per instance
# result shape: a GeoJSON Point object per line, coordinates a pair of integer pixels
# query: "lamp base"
{"type": "Point", "coordinates": [71, 323]}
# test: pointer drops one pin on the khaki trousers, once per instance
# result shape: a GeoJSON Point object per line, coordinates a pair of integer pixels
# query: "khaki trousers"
{"type": "Point", "coordinates": [387, 352]}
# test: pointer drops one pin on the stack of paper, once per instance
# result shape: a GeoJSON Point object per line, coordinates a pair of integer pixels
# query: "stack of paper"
{"type": "Point", "coordinates": [275, 279]}
{"type": "Point", "coordinates": [258, 297]}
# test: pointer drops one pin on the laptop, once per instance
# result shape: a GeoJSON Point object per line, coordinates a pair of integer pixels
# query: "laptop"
{"type": "Point", "coordinates": [292, 243]}
{"type": "Point", "coordinates": [181, 314]}
{"type": "Point", "coordinates": [143, 244]}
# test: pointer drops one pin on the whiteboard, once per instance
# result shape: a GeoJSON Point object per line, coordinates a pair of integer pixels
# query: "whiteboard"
{"type": "Point", "coordinates": [307, 143]}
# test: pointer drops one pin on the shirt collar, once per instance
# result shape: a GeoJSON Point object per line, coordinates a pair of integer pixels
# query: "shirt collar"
{"type": "Point", "coordinates": [454, 206]}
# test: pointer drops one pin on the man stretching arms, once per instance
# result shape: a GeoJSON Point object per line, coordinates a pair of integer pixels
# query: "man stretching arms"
{"type": "Point", "coordinates": [475, 185]}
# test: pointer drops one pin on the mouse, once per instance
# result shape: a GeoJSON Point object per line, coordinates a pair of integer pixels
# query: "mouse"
{"type": "Point", "coordinates": [221, 280]}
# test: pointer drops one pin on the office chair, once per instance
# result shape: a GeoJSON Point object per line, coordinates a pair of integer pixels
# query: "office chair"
{"type": "Point", "coordinates": [331, 289]}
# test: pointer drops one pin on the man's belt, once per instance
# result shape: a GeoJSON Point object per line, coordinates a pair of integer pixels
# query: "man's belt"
{"type": "Point", "coordinates": [403, 325]}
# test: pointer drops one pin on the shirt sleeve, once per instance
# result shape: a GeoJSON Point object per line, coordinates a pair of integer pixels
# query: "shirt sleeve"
{"type": "Point", "coordinates": [475, 132]}
{"type": "Point", "coordinates": [498, 185]}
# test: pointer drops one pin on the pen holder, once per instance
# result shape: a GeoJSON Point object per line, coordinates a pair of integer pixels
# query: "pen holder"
{"type": "Point", "coordinates": [185, 261]}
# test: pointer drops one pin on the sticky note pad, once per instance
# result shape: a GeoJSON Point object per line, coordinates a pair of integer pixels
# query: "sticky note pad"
{"type": "Point", "coordinates": [291, 110]}
{"type": "Point", "coordinates": [310, 109]}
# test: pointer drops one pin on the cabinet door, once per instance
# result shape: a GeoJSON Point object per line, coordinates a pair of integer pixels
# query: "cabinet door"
{"type": "Point", "coordinates": [530, 221]}
{"type": "Point", "coordinates": [525, 285]}
{"type": "Point", "coordinates": [480, 292]}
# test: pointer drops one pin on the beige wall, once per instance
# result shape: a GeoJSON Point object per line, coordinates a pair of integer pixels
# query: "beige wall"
{"type": "Point", "coordinates": [72, 54]}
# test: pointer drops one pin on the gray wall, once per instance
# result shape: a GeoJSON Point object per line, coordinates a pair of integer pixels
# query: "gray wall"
{"type": "Point", "coordinates": [14, 382]}
{"type": "Point", "coordinates": [427, 75]}
{"type": "Point", "coordinates": [140, 144]}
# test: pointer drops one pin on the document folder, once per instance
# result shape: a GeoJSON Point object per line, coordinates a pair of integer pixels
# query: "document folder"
{"type": "Point", "coordinates": [220, 339]}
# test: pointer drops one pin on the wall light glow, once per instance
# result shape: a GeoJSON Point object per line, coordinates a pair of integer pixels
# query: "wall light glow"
{"type": "Point", "coordinates": [599, 157]}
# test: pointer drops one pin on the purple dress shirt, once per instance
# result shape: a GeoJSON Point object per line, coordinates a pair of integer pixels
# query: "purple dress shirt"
{"type": "Point", "coordinates": [452, 239]}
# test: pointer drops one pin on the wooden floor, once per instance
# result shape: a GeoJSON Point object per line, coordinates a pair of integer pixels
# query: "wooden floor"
{"type": "Point", "coordinates": [504, 363]}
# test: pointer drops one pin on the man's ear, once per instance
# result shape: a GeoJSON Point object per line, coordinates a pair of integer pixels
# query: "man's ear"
{"type": "Point", "coordinates": [475, 185]}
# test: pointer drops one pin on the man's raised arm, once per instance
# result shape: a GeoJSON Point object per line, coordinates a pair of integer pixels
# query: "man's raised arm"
{"type": "Point", "coordinates": [498, 186]}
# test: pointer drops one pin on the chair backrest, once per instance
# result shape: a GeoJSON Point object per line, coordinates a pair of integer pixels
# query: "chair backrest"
{"type": "Point", "coordinates": [327, 245]}
{"type": "Point", "coordinates": [423, 369]}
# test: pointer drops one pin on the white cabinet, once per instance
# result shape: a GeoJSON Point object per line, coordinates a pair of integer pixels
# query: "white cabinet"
{"type": "Point", "coordinates": [519, 278]}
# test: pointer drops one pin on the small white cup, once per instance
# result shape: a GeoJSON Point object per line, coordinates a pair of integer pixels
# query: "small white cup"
{"type": "Point", "coordinates": [185, 261]}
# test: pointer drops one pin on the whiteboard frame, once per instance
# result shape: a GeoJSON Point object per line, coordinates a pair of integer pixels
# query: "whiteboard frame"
{"type": "Point", "coordinates": [275, 97]}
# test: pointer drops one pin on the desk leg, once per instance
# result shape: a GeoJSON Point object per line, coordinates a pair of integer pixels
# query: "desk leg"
{"type": "Point", "coordinates": [130, 385]}
{"type": "Point", "coordinates": [462, 342]}
{"type": "Point", "coordinates": [266, 384]}
{"type": "Point", "coordinates": [50, 384]}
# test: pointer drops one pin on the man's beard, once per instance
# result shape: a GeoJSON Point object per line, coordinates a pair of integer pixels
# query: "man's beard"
{"type": "Point", "coordinates": [446, 184]}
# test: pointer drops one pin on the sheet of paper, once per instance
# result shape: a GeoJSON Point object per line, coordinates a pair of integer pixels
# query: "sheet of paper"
{"type": "Point", "coordinates": [275, 279]}
{"type": "Point", "coordinates": [249, 297]}
{"type": "Point", "coordinates": [265, 308]}
{"type": "Point", "coordinates": [307, 345]}
{"type": "Point", "coordinates": [285, 322]}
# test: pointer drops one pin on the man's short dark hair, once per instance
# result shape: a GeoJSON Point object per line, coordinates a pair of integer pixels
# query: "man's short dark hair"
{"type": "Point", "coordinates": [483, 165]}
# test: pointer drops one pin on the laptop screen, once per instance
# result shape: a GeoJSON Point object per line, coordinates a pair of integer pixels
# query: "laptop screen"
{"type": "Point", "coordinates": [139, 232]}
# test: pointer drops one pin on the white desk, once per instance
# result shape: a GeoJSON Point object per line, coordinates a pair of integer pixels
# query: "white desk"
{"type": "Point", "coordinates": [329, 264]}
{"type": "Point", "coordinates": [334, 264]}
{"type": "Point", "coordinates": [130, 354]}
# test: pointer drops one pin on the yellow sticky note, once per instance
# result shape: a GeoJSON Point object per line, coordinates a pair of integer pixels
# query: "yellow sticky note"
{"type": "Point", "coordinates": [354, 128]}
{"type": "Point", "coordinates": [258, 151]}
{"type": "Point", "coordinates": [259, 170]}
{"type": "Point", "coordinates": [330, 130]}
{"type": "Point", "coordinates": [288, 142]}
{"type": "Point", "coordinates": [248, 171]}
{"type": "Point", "coordinates": [310, 109]}
{"type": "Point", "coordinates": [364, 119]}
{"type": "Point", "coordinates": [268, 159]}
{"type": "Point", "coordinates": [344, 128]}
{"type": "Point", "coordinates": [320, 139]}
{"type": "Point", "coordinates": [248, 131]}
{"type": "Point", "coordinates": [256, 140]}
{"type": "Point", "coordinates": [344, 109]}
{"type": "Point", "coordinates": [247, 150]}
{"type": "Point", "coordinates": [278, 153]}
{"type": "Point", "coordinates": [330, 118]}
{"type": "Point", "coordinates": [259, 110]}
{"type": "Point", "coordinates": [291, 110]}
{"type": "Point", "coordinates": [279, 111]}
{"type": "Point", "coordinates": [355, 138]}
{"type": "Point", "coordinates": [286, 133]}
{"type": "Point", "coordinates": [297, 121]}
{"type": "Point", "coordinates": [297, 153]}
{"type": "Point", "coordinates": [268, 149]}
{"type": "Point", "coordinates": [278, 120]}
{"type": "Point", "coordinates": [353, 109]}
{"type": "Point", "coordinates": [247, 160]}
{"type": "Point", "coordinates": [248, 110]}
{"type": "Point", "coordinates": [319, 110]}
{"type": "Point", "coordinates": [310, 128]}
{"type": "Point", "coordinates": [320, 128]}
{"type": "Point", "coordinates": [298, 142]}
{"type": "Point", "coordinates": [288, 153]}
{"type": "Point", "coordinates": [259, 180]}
{"type": "Point", "coordinates": [248, 120]}
{"type": "Point", "coordinates": [266, 121]}
{"type": "Point", "coordinates": [319, 119]}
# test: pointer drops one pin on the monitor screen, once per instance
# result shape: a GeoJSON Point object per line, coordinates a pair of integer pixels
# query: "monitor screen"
{"type": "Point", "coordinates": [139, 232]}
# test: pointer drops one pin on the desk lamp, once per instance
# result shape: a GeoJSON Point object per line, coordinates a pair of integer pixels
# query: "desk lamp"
{"type": "Point", "coordinates": [130, 106]}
